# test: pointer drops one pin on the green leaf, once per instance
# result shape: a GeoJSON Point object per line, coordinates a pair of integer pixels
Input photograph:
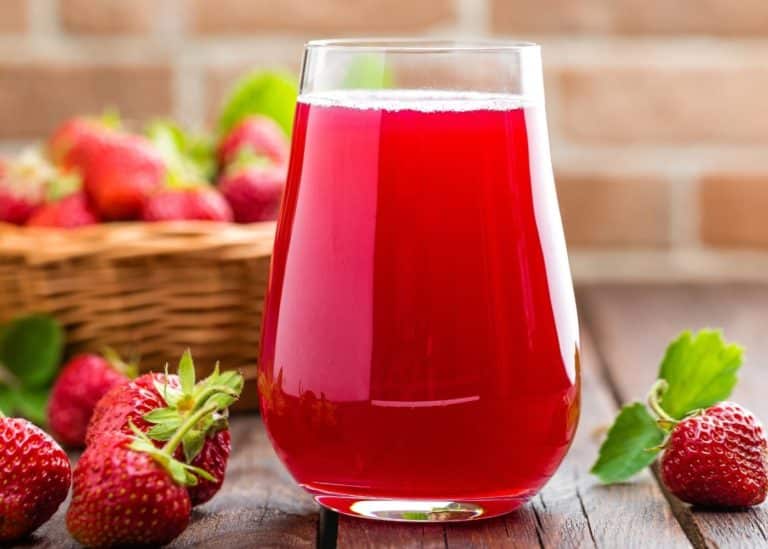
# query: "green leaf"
{"type": "Point", "coordinates": [630, 446]}
{"type": "Point", "coordinates": [700, 369]}
{"type": "Point", "coordinates": [187, 373]}
{"type": "Point", "coordinates": [272, 94]}
{"type": "Point", "coordinates": [368, 72]}
{"type": "Point", "coordinates": [30, 349]}
{"type": "Point", "coordinates": [163, 431]}
{"type": "Point", "coordinates": [32, 404]}
{"type": "Point", "coordinates": [193, 443]}
{"type": "Point", "coordinates": [190, 157]}
{"type": "Point", "coordinates": [6, 400]}
{"type": "Point", "coordinates": [162, 415]}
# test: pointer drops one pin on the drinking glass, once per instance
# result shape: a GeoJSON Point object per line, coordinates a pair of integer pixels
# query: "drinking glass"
{"type": "Point", "coordinates": [420, 349]}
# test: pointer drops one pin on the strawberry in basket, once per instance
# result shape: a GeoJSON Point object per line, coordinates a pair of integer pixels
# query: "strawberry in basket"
{"type": "Point", "coordinates": [119, 170]}
{"type": "Point", "coordinates": [23, 184]}
{"type": "Point", "coordinates": [254, 188]}
{"type": "Point", "coordinates": [257, 134]}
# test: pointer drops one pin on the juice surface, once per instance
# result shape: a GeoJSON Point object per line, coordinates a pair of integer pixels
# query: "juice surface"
{"type": "Point", "coordinates": [420, 337]}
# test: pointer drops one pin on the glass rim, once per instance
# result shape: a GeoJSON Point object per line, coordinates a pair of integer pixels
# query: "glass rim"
{"type": "Point", "coordinates": [422, 45]}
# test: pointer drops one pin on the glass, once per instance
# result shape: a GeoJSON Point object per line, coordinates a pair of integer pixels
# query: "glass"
{"type": "Point", "coordinates": [420, 355]}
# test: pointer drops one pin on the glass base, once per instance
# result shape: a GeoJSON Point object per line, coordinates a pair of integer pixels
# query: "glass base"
{"type": "Point", "coordinates": [419, 510]}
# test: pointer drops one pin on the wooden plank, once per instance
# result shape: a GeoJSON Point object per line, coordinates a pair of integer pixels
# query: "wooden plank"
{"type": "Point", "coordinates": [633, 325]}
{"type": "Point", "coordinates": [573, 510]}
{"type": "Point", "coordinates": [258, 506]}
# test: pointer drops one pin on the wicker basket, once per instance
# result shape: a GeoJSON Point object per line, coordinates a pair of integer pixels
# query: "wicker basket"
{"type": "Point", "coordinates": [146, 289]}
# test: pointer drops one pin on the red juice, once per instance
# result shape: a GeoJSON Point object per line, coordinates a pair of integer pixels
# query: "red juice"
{"type": "Point", "coordinates": [420, 338]}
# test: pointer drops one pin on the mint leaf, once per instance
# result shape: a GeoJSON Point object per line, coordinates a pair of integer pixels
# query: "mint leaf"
{"type": "Point", "coordinates": [700, 369]}
{"type": "Point", "coordinates": [627, 448]}
{"type": "Point", "coordinates": [272, 94]}
{"type": "Point", "coordinates": [30, 349]}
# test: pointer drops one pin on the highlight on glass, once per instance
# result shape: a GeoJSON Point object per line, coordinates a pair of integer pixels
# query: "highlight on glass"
{"type": "Point", "coordinates": [420, 349]}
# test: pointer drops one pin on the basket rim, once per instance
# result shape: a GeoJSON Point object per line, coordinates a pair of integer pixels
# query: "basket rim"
{"type": "Point", "coordinates": [130, 239]}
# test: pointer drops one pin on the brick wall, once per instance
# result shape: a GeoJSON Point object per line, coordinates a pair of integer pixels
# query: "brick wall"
{"type": "Point", "coordinates": [656, 107]}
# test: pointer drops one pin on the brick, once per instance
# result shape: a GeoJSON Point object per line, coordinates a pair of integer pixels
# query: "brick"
{"type": "Point", "coordinates": [330, 16]}
{"type": "Point", "coordinates": [13, 16]}
{"type": "Point", "coordinates": [717, 17]}
{"type": "Point", "coordinates": [663, 105]}
{"type": "Point", "coordinates": [111, 17]}
{"type": "Point", "coordinates": [34, 97]}
{"type": "Point", "coordinates": [733, 210]}
{"type": "Point", "coordinates": [611, 212]}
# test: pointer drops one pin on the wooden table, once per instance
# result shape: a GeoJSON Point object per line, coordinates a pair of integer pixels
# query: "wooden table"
{"type": "Point", "coordinates": [625, 330]}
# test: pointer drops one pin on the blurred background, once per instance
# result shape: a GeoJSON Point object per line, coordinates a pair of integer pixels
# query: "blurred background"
{"type": "Point", "coordinates": [659, 134]}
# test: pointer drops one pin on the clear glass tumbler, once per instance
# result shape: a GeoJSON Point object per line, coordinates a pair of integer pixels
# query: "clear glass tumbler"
{"type": "Point", "coordinates": [420, 352]}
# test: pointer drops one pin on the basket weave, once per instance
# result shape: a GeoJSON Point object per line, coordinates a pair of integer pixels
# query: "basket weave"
{"type": "Point", "coordinates": [146, 289]}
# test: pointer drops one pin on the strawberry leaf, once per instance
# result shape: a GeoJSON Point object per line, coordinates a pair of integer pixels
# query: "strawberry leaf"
{"type": "Point", "coordinates": [272, 94]}
{"type": "Point", "coordinates": [700, 369]}
{"type": "Point", "coordinates": [6, 400]}
{"type": "Point", "coordinates": [32, 404]}
{"type": "Point", "coordinates": [369, 72]}
{"type": "Point", "coordinates": [30, 349]}
{"type": "Point", "coordinates": [631, 445]}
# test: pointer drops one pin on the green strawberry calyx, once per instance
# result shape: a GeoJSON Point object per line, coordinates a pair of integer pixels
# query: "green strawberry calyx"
{"type": "Point", "coordinates": [128, 368]}
{"type": "Point", "coordinates": [213, 395]}
{"type": "Point", "coordinates": [182, 473]}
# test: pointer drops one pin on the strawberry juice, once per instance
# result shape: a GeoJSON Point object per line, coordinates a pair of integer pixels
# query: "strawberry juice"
{"type": "Point", "coordinates": [420, 341]}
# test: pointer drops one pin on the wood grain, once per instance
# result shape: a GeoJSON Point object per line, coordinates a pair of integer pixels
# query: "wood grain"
{"type": "Point", "coordinates": [633, 325]}
{"type": "Point", "coordinates": [258, 506]}
{"type": "Point", "coordinates": [573, 510]}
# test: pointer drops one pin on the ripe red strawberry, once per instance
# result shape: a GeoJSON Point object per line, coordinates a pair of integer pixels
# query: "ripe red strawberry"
{"type": "Point", "coordinates": [254, 192]}
{"type": "Point", "coordinates": [213, 458]}
{"type": "Point", "coordinates": [201, 203]}
{"type": "Point", "coordinates": [124, 494]}
{"type": "Point", "coordinates": [78, 140]}
{"type": "Point", "coordinates": [34, 478]}
{"type": "Point", "coordinates": [82, 382]}
{"type": "Point", "coordinates": [154, 396]}
{"type": "Point", "coordinates": [718, 458]}
{"type": "Point", "coordinates": [124, 173]}
{"type": "Point", "coordinates": [128, 403]}
{"type": "Point", "coordinates": [260, 136]}
{"type": "Point", "coordinates": [23, 184]}
{"type": "Point", "coordinates": [68, 213]}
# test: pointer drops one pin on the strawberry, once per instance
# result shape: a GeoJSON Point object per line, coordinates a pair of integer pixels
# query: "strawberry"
{"type": "Point", "coordinates": [126, 492]}
{"type": "Point", "coordinates": [201, 203]}
{"type": "Point", "coordinates": [67, 213]}
{"type": "Point", "coordinates": [34, 478]}
{"type": "Point", "coordinates": [213, 458]}
{"type": "Point", "coordinates": [82, 382]}
{"type": "Point", "coordinates": [157, 403]}
{"type": "Point", "coordinates": [125, 404]}
{"type": "Point", "coordinates": [717, 458]}
{"type": "Point", "coordinates": [127, 170]}
{"type": "Point", "coordinates": [258, 135]}
{"type": "Point", "coordinates": [78, 140]}
{"type": "Point", "coordinates": [254, 191]}
{"type": "Point", "coordinates": [23, 184]}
